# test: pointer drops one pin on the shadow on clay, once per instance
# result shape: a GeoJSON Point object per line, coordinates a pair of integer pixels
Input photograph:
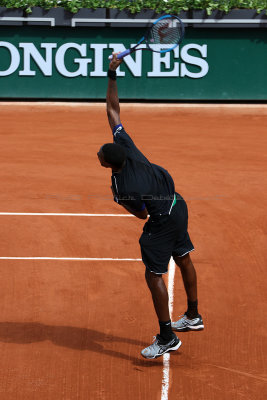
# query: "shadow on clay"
{"type": "Point", "coordinates": [72, 337]}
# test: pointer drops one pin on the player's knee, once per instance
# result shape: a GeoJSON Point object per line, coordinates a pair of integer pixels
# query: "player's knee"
{"type": "Point", "coordinates": [183, 261]}
{"type": "Point", "coordinates": [151, 277]}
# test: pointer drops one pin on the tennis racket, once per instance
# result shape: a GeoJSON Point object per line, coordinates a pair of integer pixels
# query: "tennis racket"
{"type": "Point", "coordinates": [167, 30]}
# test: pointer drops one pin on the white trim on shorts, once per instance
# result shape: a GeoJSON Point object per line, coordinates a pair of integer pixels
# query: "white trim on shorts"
{"type": "Point", "coordinates": [185, 253]}
{"type": "Point", "coordinates": [163, 273]}
{"type": "Point", "coordinates": [157, 273]}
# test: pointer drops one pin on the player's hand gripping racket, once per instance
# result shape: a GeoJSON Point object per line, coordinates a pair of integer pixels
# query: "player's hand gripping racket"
{"type": "Point", "coordinates": [167, 30]}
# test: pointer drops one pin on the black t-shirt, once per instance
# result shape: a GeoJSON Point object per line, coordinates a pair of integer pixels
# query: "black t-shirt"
{"type": "Point", "coordinates": [141, 184]}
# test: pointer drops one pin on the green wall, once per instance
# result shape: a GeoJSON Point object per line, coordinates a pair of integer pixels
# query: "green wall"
{"type": "Point", "coordinates": [211, 64]}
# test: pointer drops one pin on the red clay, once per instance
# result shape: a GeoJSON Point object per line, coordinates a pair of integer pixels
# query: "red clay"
{"type": "Point", "coordinates": [74, 329]}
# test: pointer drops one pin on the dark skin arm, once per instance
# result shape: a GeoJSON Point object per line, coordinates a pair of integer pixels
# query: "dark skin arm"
{"type": "Point", "coordinates": [112, 99]}
{"type": "Point", "coordinates": [139, 214]}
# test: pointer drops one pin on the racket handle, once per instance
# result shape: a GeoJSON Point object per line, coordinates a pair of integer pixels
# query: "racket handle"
{"type": "Point", "coordinates": [121, 55]}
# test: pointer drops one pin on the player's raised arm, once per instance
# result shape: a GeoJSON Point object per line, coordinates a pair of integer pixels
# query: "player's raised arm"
{"type": "Point", "coordinates": [113, 105]}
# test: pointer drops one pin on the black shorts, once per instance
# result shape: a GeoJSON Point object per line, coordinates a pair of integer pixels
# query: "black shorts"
{"type": "Point", "coordinates": [165, 236]}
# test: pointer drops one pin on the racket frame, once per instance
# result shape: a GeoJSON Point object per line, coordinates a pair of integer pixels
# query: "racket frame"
{"type": "Point", "coordinates": [176, 44]}
{"type": "Point", "coordinates": [145, 39]}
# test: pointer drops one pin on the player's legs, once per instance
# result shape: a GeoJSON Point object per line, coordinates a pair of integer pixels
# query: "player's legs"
{"type": "Point", "coordinates": [189, 277]}
{"type": "Point", "coordinates": [166, 341]}
{"type": "Point", "coordinates": [159, 294]}
{"type": "Point", "coordinates": [191, 320]}
{"type": "Point", "coordinates": [156, 254]}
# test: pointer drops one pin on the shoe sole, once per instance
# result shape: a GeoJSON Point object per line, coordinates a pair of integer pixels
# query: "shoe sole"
{"type": "Point", "coordinates": [176, 347]}
{"type": "Point", "coordinates": [189, 328]}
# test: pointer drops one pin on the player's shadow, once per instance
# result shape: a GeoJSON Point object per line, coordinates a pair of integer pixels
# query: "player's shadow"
{"type": "Point", "coordinates": [75, 338]}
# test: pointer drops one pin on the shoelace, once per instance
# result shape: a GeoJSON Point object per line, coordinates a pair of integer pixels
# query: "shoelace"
{"type": "Point", "coordinates": [155, 341]}
{"type": "Point", "coordinates": [183, 318]}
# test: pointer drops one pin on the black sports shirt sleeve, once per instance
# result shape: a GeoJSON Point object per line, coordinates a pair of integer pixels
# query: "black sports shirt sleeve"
{"type": "Point", "coordinates": [122, 138]}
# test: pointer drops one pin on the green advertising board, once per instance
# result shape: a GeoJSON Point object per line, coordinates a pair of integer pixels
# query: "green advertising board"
{"type": "Point", "coordinates": [71, 63]}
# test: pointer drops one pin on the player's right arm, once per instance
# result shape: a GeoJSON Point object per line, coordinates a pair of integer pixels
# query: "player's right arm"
{"type": "Point", "coordinates": [142, 214]}
{"type": "Point", "coordinates": [113, 113]}
{"type": "Point", "coordinates": [112, 99]}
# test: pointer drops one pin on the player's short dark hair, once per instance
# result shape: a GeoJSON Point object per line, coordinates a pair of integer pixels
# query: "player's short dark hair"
{"type": "Point", "coordinates": [114, 154]}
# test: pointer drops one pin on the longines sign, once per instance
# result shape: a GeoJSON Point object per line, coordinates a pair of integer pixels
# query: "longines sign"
{"type": "Point", "coordinates": [170, 64]}
{"type": "Point", "coordinates": [71, 63]}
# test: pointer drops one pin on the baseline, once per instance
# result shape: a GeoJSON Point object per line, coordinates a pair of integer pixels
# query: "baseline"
{"type": "Point", "coordinates": [71, 258]}
{"type": "Point", "coordinates": [66, 214]}
{"type": "Point", "coordinates": [137, 105]}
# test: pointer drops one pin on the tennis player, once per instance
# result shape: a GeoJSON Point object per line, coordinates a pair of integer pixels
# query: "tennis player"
{"type": "Point", "coordinates": [146, 189]}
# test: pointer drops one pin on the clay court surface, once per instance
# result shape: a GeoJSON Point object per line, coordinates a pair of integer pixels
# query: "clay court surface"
{"type": "Point", "coordinates": [73, 329]}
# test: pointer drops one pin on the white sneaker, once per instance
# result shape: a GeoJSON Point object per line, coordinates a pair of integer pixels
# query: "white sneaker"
{"type": "Point", "coordinates": [157, 348]}
{"type": "Point", "coordinates": [185, 324]}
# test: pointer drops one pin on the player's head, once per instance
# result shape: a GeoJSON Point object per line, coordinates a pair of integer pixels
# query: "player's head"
{"type": "Point", "coordinates": [112, 155]}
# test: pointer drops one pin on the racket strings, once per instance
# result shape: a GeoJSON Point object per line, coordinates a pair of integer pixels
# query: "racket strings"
{"type": "Point", "coordinates": [166, 31]}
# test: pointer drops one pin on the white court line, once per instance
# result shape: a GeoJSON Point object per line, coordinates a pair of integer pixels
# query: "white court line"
{"type": "Point", "coordinates": [70, 258]}
{"type": "Point", "coordinates": [166, 357]}
{"type": "Point", "coordinates": [67, 214]}
{"type": "Point", "coordinates": [142, 105]}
